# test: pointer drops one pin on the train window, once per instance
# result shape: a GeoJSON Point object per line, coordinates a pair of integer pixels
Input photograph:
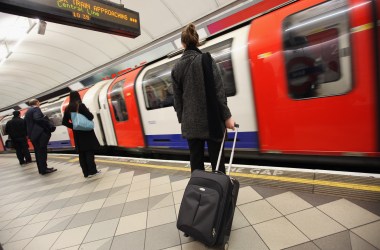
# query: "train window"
{"type": "Point", "coordinates": [317, 51]}
{"type": "Point", "coordinates": [221, 53]}
{"type": "Point", "coordinates": [3, 123]}
{"type": "Point", "coordinates": [158, 87]}
{"type": "Point", "coordinates": [157, 82]}
{"type": "Point", "coordinates": [118, 102]}
{"type": "Point", "coordinates": [53, 112]}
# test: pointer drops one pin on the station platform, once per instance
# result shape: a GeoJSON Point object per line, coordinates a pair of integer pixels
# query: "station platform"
{"type": "Point", "coordinates": [133, 204]}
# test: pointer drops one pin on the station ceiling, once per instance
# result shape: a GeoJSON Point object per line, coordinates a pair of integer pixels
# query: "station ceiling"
{"type": "Point", "coordinates": [31, 64]}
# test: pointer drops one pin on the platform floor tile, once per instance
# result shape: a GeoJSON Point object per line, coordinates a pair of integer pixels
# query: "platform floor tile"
{"type": "Point", "coordinates": [133, 208]}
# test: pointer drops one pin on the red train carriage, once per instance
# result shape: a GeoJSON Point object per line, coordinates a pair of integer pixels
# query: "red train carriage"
{"type": "Point", "coordinates": [124, 113]}
{"type": "Point", "coordinates": [326, 48]}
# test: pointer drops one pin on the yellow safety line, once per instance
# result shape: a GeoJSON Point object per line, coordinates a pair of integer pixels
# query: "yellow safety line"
{"type": "Point", "coordinates": [264, 177]}
{"type": "Point", "coordinates": [312, 182]}
{"type": "Point", "coordinates": [60, 157]}
{"type": "Point", "coordinates": [145, 165]}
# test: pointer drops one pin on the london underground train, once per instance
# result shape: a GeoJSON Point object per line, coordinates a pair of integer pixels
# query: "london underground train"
{"type": "Point", "coordinates": [301, 80]}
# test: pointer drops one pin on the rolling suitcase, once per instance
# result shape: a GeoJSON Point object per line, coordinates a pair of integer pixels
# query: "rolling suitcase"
{"type": "Point", "coordinates": [208, 204]}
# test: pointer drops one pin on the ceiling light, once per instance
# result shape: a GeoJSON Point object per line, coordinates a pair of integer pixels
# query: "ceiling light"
{"type": "Point", "coordinates": [15, 31]}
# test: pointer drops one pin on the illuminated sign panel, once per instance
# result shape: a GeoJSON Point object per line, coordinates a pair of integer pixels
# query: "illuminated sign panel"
{"type": "Point", "coordinates": [96, 15]}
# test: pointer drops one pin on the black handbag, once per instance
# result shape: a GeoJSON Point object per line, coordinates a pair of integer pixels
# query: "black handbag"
{"type": "Point", "coordinates": [50, 125]}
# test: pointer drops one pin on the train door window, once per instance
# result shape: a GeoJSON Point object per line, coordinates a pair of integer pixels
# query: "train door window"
{"type": "Point", "coordinates": [317, 51]}
{"type": "Point", "coordinates": [158, 84]}
{"type": "Point", "coordinates": [53, 112]}
{"type": "Point", "coordinates": [118, 102]}
{"type": "Point", "coordinates": [158, 87]}
{"type": "Point", "coordinates": [221, 53]}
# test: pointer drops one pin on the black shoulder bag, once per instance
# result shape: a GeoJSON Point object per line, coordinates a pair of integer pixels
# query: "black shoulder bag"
{"type": "Point", "coordinates": [215, 123]}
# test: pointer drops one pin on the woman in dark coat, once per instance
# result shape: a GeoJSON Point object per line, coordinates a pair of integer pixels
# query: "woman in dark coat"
{"type": "Point", "coordinates": [200, 101]}
{"type": "Point", "coordinates": [85, 141]}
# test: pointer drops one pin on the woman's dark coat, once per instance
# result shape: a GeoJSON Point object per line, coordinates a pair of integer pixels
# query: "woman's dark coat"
{"type": "Point", "coordinates": [190, 95]}
{"type": "Point", "coordinates": [84, 140]}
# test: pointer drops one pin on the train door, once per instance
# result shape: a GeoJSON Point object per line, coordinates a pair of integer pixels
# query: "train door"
{"type": "Point", "coordinates": [124, 112]}
{"type": "Point", "coordinates": [314, 78]}
{"type": "Point", "coordinates": [90, 99]}
{"type": "Point", "coordinates": [105, 116]}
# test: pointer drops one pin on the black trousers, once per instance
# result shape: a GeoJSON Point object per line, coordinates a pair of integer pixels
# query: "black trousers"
{"type": "Point", "coordinates": [197, 146]}
{"type": "Point", "coordinates": [22, 150]}
{"type": "Point", "coordinates": [40, 150]}
{"type": "Point", "coordinates": [87, 162]}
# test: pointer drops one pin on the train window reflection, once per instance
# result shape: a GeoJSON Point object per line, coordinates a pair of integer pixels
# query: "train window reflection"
{"type": "Point", "coordinates": [53, 112]}
{"type": "Point", "coordinates": [3, 123]}
{"type": "Point", "coordinates": [158, 87]}
{"type": "Point", "coordinates": [158, 84]}
{"type": "Point", "coordinates": [317, 51]}
{"type": "Point", "coordinates": [221, 53]}
{"type": "Point", "coordinates": [118, 102]}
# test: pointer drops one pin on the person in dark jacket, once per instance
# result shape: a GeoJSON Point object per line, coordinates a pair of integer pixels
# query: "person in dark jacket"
{"type": "Point", "coordinates": [200, 101]}
{"type": "Point", "coordinates": [39, 131]}
{"type": "Point", "coordinates": [16, 129]}
{"type": "Point", "coordinates": [86, 142]}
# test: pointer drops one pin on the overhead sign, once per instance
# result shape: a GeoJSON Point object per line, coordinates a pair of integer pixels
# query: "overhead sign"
{"type": "Point", "coordinates": [99, 15]}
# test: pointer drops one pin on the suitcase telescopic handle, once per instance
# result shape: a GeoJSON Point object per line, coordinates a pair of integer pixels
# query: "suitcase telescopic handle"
{"type": "Point", "coordinates": [232, 151]}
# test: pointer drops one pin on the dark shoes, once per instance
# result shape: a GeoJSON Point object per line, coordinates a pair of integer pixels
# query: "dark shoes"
{"type": "Point", "coordinates": [92, 175]}
{"type": "Point", "coordinates": [48, 171]}
{"type": "Point", "coordinates": [24, 163]}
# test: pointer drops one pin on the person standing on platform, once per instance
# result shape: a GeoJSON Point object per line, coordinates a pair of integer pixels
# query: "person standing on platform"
{"type": "Point", "coordinates": [200, 101]}
{"type": "Point", "coordinates": [16, 129]}
{"type": "Point", "coordinates": [39, 131]}
{"type": "Point", "coordinates": [86, 142]}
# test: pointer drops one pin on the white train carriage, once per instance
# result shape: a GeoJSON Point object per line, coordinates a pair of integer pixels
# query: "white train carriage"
{"type": "Point", "coordinates": [154, 93]}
